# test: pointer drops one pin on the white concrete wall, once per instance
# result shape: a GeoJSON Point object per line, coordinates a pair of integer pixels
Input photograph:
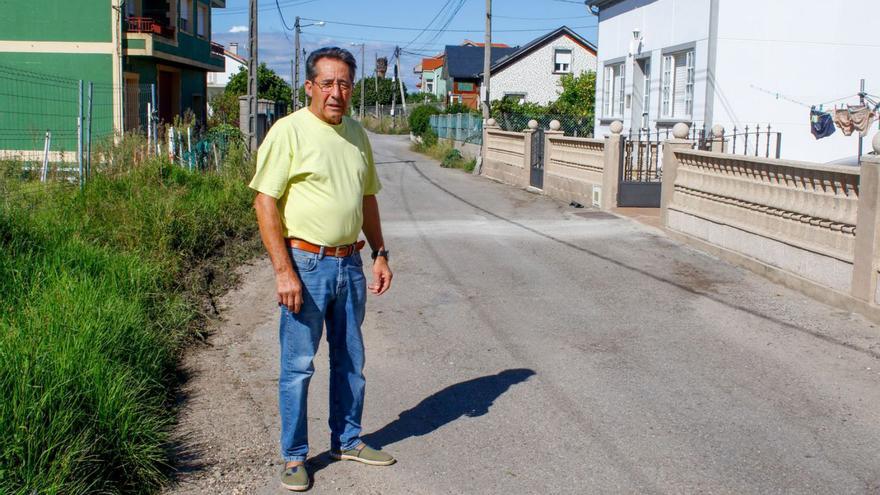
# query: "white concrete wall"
{"type": "Point", "coordinates": [662, 24]}
{"type": "Point", "coordinates": [533, 74]}
{"type": "Point", "coordinates": [810, 51]}
{"type": "Point", "coordinates": [221, 79]}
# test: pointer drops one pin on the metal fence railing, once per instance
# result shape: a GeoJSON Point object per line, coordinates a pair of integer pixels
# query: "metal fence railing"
{"type": "Point", "coordinates": [463, 127]}
{"type": "Point", "coordinates": [571, 125]}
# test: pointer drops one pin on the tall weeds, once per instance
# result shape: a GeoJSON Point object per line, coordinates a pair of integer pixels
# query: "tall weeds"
{"type": "Point", "coordinates": [99, 291]}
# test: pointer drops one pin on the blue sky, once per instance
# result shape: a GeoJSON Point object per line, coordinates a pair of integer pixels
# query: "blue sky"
{"type": "Point", "coordinates": [516, 22]}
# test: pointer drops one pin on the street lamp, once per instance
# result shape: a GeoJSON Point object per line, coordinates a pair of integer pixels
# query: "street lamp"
{"type": "Point", "coordinates": [297, 29]}
{"type": "Point", "coordinates": [363, 61]}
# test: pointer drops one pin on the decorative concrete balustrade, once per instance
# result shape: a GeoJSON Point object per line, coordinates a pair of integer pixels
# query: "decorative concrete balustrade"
{"type": "Point", "coordinates": [506, 154]}
{"type": "Point", "coordinates": [812, 227]}
{"type": "Point", "coordinates": [575, 169]}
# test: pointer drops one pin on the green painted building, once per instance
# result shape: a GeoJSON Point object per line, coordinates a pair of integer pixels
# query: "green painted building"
{"type": "Point", "coordinates": [121, 46]}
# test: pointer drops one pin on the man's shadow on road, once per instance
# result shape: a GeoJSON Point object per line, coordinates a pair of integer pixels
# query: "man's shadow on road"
{"type": "Point", "coordinates": [471, 398]}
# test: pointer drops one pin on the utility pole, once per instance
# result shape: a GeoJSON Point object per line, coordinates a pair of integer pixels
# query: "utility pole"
{"type": "Point", "coordinates": [376, 82]}
{"type": "Point", "coordinates": [487, 60]}
{"type": "Point", "coordinates": [252, 76]}
{"type": "Point", "coordinates": [305, 61]}
{"type": "Point", "coordinates": [363, 62]}
{"type": "Point", "coordinates": [296, 49]}
{"type": "Point", "coordinates": [400, 80]}
{"type": "Point", "coordinates": [293, 102]}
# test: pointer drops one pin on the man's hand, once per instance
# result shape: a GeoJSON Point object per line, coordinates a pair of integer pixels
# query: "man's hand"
{"type": "Point", "coordinates": [289, 290]}
{"type": "Point", "coordinates": [381, 276]}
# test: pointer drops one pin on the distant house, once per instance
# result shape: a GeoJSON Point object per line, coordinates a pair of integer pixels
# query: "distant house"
{"type": "Point", "coordinates": [217, 81]}
{"type": "Point", "coordinates": [462, 68]}
{"type": "Point", "coordinates": [532, 73]}
{"type": "Point", "coordinates": [432, 80]}
{"type": "Point", "coordinates": [735, 63]}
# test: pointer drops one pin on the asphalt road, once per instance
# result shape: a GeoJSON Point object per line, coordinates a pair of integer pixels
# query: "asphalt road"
{"type": "Point", "coordinates": [530, 347]}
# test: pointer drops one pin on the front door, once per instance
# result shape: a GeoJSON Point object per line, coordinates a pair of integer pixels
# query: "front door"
{"type": "Point", "coordinates": [169, 95]}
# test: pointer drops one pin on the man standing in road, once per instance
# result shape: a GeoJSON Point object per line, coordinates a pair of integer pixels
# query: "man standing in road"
{"type": "Point", "coordinates": [316, 186]}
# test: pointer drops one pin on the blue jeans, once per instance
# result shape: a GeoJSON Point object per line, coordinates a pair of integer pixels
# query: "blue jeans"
{"type": "Point", "coordinates": [335, 293]}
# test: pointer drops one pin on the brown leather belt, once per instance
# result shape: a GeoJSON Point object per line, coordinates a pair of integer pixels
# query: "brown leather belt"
{"type": "Point", "coordinates": [337, 252]}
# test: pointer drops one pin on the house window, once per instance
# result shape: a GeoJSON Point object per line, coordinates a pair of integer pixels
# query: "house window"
{"type": "Point", "coordinates": [429, 86]}
{"type": "Point", "coordinates": [519, 98]}
{"type": "Point", "coordinates": [465, 87]}
{"type": "Point", "coordinates": [186, 14]}
{"type": "Point", "coordinates": [677, 91]}
{"type": "Point", "coordinates": [202, 22]}
{"type": "Point", "coordinates": [562, 61]}
{"type": "Point", "coordinates": [613, 90]}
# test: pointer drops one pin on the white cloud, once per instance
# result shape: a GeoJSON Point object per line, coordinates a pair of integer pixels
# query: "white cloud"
{"type": "Point", "coordinates": [238, 29]}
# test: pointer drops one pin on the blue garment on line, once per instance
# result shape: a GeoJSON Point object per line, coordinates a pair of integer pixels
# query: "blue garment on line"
{"type": "Point", "coordinates": [821, 124]}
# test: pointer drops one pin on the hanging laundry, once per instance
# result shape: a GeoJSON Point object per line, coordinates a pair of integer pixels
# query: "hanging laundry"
{"type": "Point", "coordinates": [862, 117]}
{"type": "Point", "coordinates": [843, 120]}
{"type": "Point", "coordinates": [821, 124]}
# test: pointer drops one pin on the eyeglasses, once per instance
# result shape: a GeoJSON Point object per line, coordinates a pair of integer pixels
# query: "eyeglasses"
{"type": "Point", "coordinates": [327, 86]}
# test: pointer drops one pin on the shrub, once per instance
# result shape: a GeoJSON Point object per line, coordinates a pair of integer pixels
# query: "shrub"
{"type": "Point", "coordinates": [451, 159]}
{"type": "Point", "coordinates": [420, 119]}
{"type": "Point", "coordinates": [457, 107]}
{"type": "Point", "coordinates": [429, 138]}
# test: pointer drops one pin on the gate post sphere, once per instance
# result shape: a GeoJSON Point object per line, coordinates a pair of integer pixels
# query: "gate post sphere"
{"type": "Point", "coordinates": [555, 125]}
{"type": "Point", "coordinates": [680, 130]}
{"type": "Point", "coordinates": [533, 124]}
{"type": "Point", "coordinates": [616, 127]}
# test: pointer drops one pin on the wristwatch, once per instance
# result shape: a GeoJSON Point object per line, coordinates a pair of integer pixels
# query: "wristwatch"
{"type": "Point", "coordinates": [380, 252]}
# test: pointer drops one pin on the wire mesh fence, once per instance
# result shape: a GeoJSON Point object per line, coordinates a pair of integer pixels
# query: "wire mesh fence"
{"type": "Point", "coordinates": [463, 127]}
{"type": "Point", "coordinates": [571, 125]}
{"type": "Point", "coordinates": [59, 131]}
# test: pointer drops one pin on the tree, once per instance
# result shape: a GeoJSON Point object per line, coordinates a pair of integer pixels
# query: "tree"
{"type": "Point", "coordinates": [387, 88]}
{"type": "Point", "coordinates": [578, 96]}
{"type": "Point", "coordinates": [224, 109]}
{"type": "Point", "coordinates": [269, 85]}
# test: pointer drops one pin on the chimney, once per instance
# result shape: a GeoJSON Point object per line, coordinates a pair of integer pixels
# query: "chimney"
{"type": "Point", "coordinates": [233, 48]}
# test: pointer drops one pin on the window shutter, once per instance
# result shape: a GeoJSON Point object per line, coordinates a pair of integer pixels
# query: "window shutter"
{"type": "Point", "coordinates": [666, 92]}
{"type": "Point", "coordinates": [680, 86]}
{"type": "Point", "coordinates": [606, 92]}
{"type": "Point", "coordinates": [619, 85]}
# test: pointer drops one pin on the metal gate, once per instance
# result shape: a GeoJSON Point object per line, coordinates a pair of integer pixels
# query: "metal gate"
{"type": "Point", "coordinates": [640, 170]}
{"type": "Point", "coordinates": [537, 160]}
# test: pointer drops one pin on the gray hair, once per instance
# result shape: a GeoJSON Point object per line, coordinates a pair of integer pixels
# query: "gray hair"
{"type": "Point", "coordinates": [333, 52]}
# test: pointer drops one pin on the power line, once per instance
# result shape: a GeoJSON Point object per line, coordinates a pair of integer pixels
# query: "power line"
{"type": "Point", "coordinates": [445, 24]}
{"type": "Point", "coordinates": [288, 3]}
{"type": "Point", "coordinates": [539, 18]}
{"type": "Point", "coordinates": [281, 15]}
{"type": "Point", "coordinates": [447, 4]}
{"type": "Point", "coordinates": [399, 28]}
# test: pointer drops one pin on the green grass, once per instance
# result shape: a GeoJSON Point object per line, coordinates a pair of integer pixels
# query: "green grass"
{"type": "Point", "coordinates": [443, 151]}
{"type": "Point", "coordinates": [99, 293]}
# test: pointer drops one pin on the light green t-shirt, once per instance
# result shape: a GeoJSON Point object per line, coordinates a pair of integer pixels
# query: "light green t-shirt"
{"type": "Point", "coordinates": [319, 173]}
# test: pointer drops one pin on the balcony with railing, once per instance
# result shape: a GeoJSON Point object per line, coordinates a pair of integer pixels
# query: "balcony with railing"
{"type": "Point", "coordinates": [217, 49]}
{"type": "Point", "coordinates": [148, 25]}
